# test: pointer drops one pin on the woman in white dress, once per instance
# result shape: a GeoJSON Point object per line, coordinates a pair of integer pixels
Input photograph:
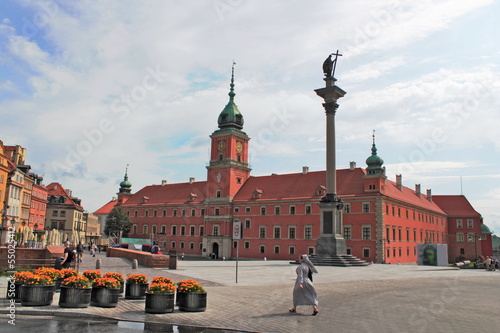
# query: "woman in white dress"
{"type": "Point", "coordinates": [303, 291]}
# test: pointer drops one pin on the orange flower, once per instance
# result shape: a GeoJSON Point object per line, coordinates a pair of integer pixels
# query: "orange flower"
{"type": "Point", "coordinates": [39, 280]}
{"type": "Point", "coordinates": [106, 283]}
{"type": "Point", "coordinates": [92, 274]}
{"type": "Point", "coordinates": [78, 281]}
{"type": "Point", "coordinates": [190, 286]}
{"type": "Point", "coordinates": [136, 279]}
{"type": "Point", "coordinates": [161, 288]}
{"type": "Point", "coordinates": [22, 276]}
{"type": "Point", "coordinates": [66, 272]}
{"type": "Point", "coordinates": [117, 276]}
{"type": "Point", "coordinates": [49, 271]}
{"type": "Point", "coordinates": [158, 279]}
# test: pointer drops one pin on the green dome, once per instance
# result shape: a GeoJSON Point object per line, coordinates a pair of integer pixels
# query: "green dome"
{"type": "Point", "coordinates": [374, 162]}
{"type": "Point", "coordinates": [485, 229]}
{"type": "Point", "coordinates": [231, 117]}
{"type": "Point", "coordinates": [374, 159]}
{"type": "Point", "coordinates": [125, 185]}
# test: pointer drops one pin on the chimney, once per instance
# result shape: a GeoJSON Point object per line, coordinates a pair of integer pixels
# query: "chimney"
{"type": "Point", "coordinates": [305, 170]}
{"type": "Point", "coordinates": [429, 195]}
{"type": "Point", "coordinates": [417, 190]}
{"type": "Point", "coordinates": [113, 199]}
{"type": "Point", "coordinates": [191, 180]}
{"type": "Point", "coordinates": [163, 182]}
{"type": "Point", "coordinates": [352, 166]}
{"type": "Point", "coordinates": [399, 182]}
{"type": "Point", "coordinates": [69, 192]}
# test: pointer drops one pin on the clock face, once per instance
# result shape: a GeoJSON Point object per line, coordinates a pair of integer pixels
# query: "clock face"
{"type": "Point", "coordinates": [221, 145]}
{"type": "Point", "coordinates": [239, 147]}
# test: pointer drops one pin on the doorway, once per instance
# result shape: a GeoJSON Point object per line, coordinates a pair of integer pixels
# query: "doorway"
{"type": "Point", "coordinates": [215, 250]}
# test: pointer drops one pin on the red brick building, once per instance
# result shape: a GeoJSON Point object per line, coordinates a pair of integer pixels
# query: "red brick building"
{"type": "Point", "coordinates": [469, 238]}
{"type": "Point", "coordinates": [383, 221]}
{"type": "Point", "coordinates": [38, 204]}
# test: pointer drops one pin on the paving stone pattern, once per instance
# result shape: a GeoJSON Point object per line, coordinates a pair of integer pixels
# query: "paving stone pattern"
{"type": "Point", "coordinates": [378, 298]}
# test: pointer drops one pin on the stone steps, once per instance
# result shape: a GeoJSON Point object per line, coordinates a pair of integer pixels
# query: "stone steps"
{"type": "Point", "coordinates": [344, 260]}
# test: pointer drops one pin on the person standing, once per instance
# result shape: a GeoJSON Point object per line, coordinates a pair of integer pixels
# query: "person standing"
{"type": "Point", "coordinates": [155, 249]}
{"type": "Point", "coordinates": [69, 255]}
{"type": "Point", "coordinates": [79, 252]}
{"type": "Point", "coordinates": [304, 292]}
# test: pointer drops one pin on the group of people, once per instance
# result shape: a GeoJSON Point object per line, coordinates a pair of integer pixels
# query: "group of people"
{"type": "Point", "coordinates": [70, 255]}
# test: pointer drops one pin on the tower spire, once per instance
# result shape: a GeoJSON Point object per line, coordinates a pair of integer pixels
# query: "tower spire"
{"type": "Point", "coordinates": [374, 161]}
{"type": "Point", "coordinates": [231, 91]}
{"type": "Point", "coordinates": [230, 118]}
{"type": "Point", "coordinates": [125, 185]}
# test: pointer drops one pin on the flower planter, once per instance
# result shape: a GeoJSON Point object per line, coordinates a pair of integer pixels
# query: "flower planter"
{"type": "Point", "coordinates": [104, 297]}
{"type": "Point", "coordinates": [14, 291]}
{"type": "Point", "coordinates": [192, 302]}
{"type": "Point", "coordinates": [136, 291]}
{"type": "Point", "coordinates": [74, 297]}
{"type": "Point", "coordinates": [34, 295]}
{"type": "Point", "coordinates": [159, 303]}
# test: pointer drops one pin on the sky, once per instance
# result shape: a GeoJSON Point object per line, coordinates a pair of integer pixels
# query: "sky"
{"type": "Point", "coordinates": [89, 87]}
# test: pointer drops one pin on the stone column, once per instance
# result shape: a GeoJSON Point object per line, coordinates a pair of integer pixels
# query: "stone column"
{"type": "Point", "coordinates": [331, 241]}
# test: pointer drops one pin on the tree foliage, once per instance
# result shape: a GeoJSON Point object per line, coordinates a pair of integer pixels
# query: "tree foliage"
{"type": "Point", "coordinates": [116, 221]}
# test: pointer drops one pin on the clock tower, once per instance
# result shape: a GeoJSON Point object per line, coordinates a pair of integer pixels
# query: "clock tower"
{"type": "Point", "coordinates": [228, 169]}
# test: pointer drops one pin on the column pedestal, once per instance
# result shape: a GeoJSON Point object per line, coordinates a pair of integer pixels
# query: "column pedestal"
{"type": "Point", "coordinates": [330, 243]}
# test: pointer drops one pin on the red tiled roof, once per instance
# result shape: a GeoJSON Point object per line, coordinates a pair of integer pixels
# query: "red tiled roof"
{"type": "Point", "coordinates": [301, 186]}
{"type": "Point", "coordinates": [455, 205]}
{"type": "Point", "coordinates": [168, 194]}
{"type": "Point", "coordinates": [104, 210]}
{"type": "Point", "coordinates": [57, 189]}
{"type": "Point", "coordinates": [11, 164]}
{"type": "Point", "coordinates": [411, 197]}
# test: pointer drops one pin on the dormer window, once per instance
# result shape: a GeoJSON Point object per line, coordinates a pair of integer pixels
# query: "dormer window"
{"type": "Point", "coordinates": [145, 199]}
{"type": "Point", "coordinates": [192, 197]}
{"type": "Point", "coordinates": [320, 190]}
{"type": "Point", "coordinates": [257, 193]}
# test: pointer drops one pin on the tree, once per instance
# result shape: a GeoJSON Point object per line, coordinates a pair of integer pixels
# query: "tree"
{"type": "Point", "coordinates": [116, 221]}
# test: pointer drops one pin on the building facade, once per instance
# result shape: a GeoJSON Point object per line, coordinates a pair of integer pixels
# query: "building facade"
{"type": "Point", "coordinates": [383, 221]}
{"type": "Point", "coordinates": [65, 213]}
{"type": "Point", "coordinates": [38, 204]}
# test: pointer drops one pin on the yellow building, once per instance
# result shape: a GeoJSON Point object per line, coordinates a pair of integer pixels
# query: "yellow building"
{"type": "Point", "coordinates": [4, 175]}
{"type": "Point", "coordinates": [65, 213]}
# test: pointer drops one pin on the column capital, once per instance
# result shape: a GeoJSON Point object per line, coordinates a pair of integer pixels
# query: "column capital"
{"type": "Point", "coordinates": [330, 107]}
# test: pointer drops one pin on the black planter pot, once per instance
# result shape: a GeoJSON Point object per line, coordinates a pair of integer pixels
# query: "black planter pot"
{"type": "Point", "coordinates": [74, 297]}
{"type": "Point", "coordinates": [104, 297]}
{"type": "Point", "coordinates": [159, 303]}
{"type": "Point", "coordinates": [33, 295]}
{"type": "Point", "coordinates": [58, 283]}
{"type": "Point", "coordinates": [14, 291]}
{"type": "Point", "coordinates": [192, 302]}
{"type": "Point", "coordinates": [136, 291]}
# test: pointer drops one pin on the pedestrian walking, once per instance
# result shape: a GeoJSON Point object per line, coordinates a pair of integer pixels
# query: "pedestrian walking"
{"type": "Point", "coordinates": [79, 252]}
{"type": "Point", "coordinates": [304, 292]}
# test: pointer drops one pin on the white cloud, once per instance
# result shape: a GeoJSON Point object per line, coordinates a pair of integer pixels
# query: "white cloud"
{"type": "Point", "coordinates": [88, 56]}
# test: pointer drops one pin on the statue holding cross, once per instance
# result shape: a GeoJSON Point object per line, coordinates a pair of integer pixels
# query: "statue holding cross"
{"type": "Point", "coordinates": [329, 64]}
